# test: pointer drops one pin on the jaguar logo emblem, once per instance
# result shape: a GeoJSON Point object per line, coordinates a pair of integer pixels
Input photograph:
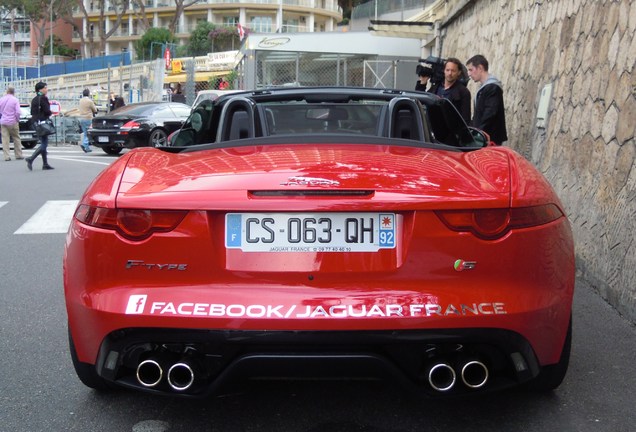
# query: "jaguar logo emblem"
{"type": "Point", "coordinates": [309, 181]}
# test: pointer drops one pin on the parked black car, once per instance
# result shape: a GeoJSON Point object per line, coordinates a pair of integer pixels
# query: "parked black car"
{"type": "Point", "coordinates": [27, 132]}
{"type": "Point", "coordinates": [144, 124]}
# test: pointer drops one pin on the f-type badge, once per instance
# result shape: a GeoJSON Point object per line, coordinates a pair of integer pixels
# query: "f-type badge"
{"type": "Point", "coordinates": [461, 265]}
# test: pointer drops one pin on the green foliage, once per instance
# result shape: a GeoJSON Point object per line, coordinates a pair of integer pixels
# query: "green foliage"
{"type": "Point", "coordinates": [224, 39]}
{"type": "Point", "coordinates": [151, 44]}
{"type": "Point", "coordinates": [199, 43]}
{"type": "Point", "coordinates": [37, 10]}
{"type": "Point", "coordinates": [59, 48]}
{"type": "Point", "coordinates": [231, 78]}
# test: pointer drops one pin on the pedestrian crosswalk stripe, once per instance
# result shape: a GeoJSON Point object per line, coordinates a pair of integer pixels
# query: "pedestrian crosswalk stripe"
{"type": "Point", "coordinates": [52, 218]}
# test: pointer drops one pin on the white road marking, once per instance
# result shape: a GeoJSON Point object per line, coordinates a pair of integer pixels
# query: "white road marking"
{"type": "Point", "coordinates": [54, 217]}
{"type": "Point", "coordinates": [75, 159]}
{"type": "Point", "coordinates": [3, 203]}
{"type": "Point", "coordinates": [151, 426]}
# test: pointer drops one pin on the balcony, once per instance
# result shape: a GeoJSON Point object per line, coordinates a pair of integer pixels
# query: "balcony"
{"type": "Point", "coordinates": [5, 37]}
{"type": "Point", "coordinates": [318, 5]}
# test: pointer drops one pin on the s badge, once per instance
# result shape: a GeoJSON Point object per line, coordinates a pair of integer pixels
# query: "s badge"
{"type": "Point", "coordinates": [461, 265]}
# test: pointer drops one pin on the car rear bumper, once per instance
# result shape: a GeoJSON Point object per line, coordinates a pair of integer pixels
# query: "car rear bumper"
{"type": "Point", "coordinates": [512, 309]}
{"type": "Point", "coordinates": [107, 139]}
{"type": "Point", "coordinates": [198, 363]}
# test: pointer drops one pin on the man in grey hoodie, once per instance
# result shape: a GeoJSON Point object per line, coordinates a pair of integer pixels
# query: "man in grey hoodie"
{"type": "Point", "coordinates": [489, 114]}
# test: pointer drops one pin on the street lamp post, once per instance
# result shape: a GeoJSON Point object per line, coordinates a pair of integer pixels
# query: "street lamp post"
{"type": "Point", "coordinates": [51, 32]}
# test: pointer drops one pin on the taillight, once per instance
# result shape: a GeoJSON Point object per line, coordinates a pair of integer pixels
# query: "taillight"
{"type": "Point", "coordinates": [131, 125]}
{"type": "Point", "coordinates": [491, 224]}
{"type": "Point", "coordinates": [132, 224]}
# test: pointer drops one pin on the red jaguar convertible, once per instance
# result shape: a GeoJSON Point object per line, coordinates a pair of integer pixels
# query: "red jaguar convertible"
{"type": "Point", "coordinates": [320, 233]}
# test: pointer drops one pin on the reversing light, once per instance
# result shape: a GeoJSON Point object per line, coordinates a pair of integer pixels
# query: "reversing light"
{"type": "Point", "coordinates": [133, 224]}
{"type": "Point", "coordinates": [491, 224]}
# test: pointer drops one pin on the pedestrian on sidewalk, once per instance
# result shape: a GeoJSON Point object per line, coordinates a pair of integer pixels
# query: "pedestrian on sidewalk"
{"type": "Point", "coordinates": [87, 111]}
{"type": "Point", "coordinates": [489, 114]}
{"type": "Point", "coordinates": [453, 89]}
{"type": "Point", "coordinates": [40, 111]}
{"type": "Point", "coordinates": [10, 124]}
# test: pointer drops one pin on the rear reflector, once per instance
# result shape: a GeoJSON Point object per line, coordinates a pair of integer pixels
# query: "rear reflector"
{"type": "Point", "coordinates": [133, 224]}
{"type": "Point", "coordinates": [491, 224]}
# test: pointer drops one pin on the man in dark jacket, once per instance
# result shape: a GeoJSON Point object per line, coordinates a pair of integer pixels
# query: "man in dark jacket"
{"type": "Point", "coordinates": [489, 105]}
{"type": "Point", "coordinates": [452, 89]}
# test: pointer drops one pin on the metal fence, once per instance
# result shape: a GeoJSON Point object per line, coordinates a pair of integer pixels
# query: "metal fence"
{"type": "Point", "coordinates": [136, 83]}
{"type": "Point", "coordinates": [276, 69]}
{"type": "Point", "coordinates": [67, 130]}
{"type": "Point", "coordinates": [283, 69]}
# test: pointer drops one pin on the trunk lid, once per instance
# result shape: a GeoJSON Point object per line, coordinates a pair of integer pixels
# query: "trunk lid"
{"type": "Point", "coordinates": [302, 177]}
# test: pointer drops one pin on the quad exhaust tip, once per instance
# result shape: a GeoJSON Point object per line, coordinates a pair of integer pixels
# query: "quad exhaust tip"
{"type": "Point", "coordinates": [149, 373]}
{"type": "Point", "coordinates": [474, 374]}
{"type": "Point", "coordinates": [180, 376]}
{"type": "Point", "coordinates": [442, 377]}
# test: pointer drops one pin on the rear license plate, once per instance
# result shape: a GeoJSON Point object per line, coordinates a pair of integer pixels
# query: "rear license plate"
{"type": "Point", "coordinates": [310, 232]}
{"type": "Point", "coordinates": [26, 136]}
{"type": "Point", "coordinates": [102, 139]}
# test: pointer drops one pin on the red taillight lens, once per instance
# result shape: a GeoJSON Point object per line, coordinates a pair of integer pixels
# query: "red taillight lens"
{"type": "Point", "coordinates": [131, 125]}
{"type": "Point", "coordinates": [132, 224]}
{"type": "Point", "coordinates": [491, 224]}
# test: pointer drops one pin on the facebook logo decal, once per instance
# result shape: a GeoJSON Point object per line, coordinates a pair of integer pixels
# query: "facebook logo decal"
{"type": "Point", "coordinates": [136, 304]}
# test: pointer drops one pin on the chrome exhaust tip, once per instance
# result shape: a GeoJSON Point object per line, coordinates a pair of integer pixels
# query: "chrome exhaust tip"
{"type": "Point", "coordinates": [474, 374]}
{"type": "Point", "coordinates": [442, 377]}
{"type": "Point", "coordinates": [180, 376]}
{"type": "Point", "coordinates": [149, 373]}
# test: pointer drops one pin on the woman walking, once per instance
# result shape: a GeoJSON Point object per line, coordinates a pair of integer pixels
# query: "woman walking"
{"type": "Point", "coordinates": [40, 111]}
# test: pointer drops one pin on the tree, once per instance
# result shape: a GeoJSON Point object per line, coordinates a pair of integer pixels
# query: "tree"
{"type": "Point", "coordinates": [146, 46]}
{"type": "Point", "coordinates": [200, 43]}
{"type": "Point", "coordinates": [180, 6]}
{"type": "Point", "coordinates": [139, 12]}
{"type": "Point", "coordinates": [65, 12]}
{"type": "Point", "coordinates": [59, 48]}
{"type": "Point", "coordinates": [39, 13]}
{"type": "Point", "coordinates": [348, 5]}
{"type": "Point", "coordinates": [224, 39]}
{"type": "Point", "coordinates": [119, 8]}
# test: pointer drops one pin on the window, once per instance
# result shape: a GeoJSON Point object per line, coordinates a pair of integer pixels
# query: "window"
{"type": "Point", "coordinates": [261, 24]}
{"type": "Point", "coordinates": [230, 21]}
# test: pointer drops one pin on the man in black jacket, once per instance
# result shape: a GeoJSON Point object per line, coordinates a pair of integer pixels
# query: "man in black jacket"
{"type": "Point", "coordinates": [452, 89]}
{"type": "Point", "coordinates": [489, 105]}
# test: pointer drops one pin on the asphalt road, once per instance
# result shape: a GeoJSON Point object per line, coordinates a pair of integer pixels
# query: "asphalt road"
{"type": "Point", "coordinates": [40, 392]}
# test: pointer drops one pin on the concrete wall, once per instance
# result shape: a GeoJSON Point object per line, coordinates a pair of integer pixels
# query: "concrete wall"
{"type": "Point", "coordinates": [587, 50]}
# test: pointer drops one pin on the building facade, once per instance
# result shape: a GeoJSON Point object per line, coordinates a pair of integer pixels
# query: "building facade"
{"type": "Point", "coordinates": [15, 35]}
{"type": "Point", "coordinates": [262, 16]}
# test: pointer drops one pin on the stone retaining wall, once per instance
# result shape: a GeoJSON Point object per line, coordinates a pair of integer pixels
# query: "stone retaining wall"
{"type": "Point", "coordinates": [587, 50]}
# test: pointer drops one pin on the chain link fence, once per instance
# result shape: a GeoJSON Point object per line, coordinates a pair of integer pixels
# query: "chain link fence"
{"type": "Point", "coordinates": [276, 69]}
{"type": "Point", "coordinates": [282, 69]}
{"type": "Point", "coordinates": [136, 83]}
